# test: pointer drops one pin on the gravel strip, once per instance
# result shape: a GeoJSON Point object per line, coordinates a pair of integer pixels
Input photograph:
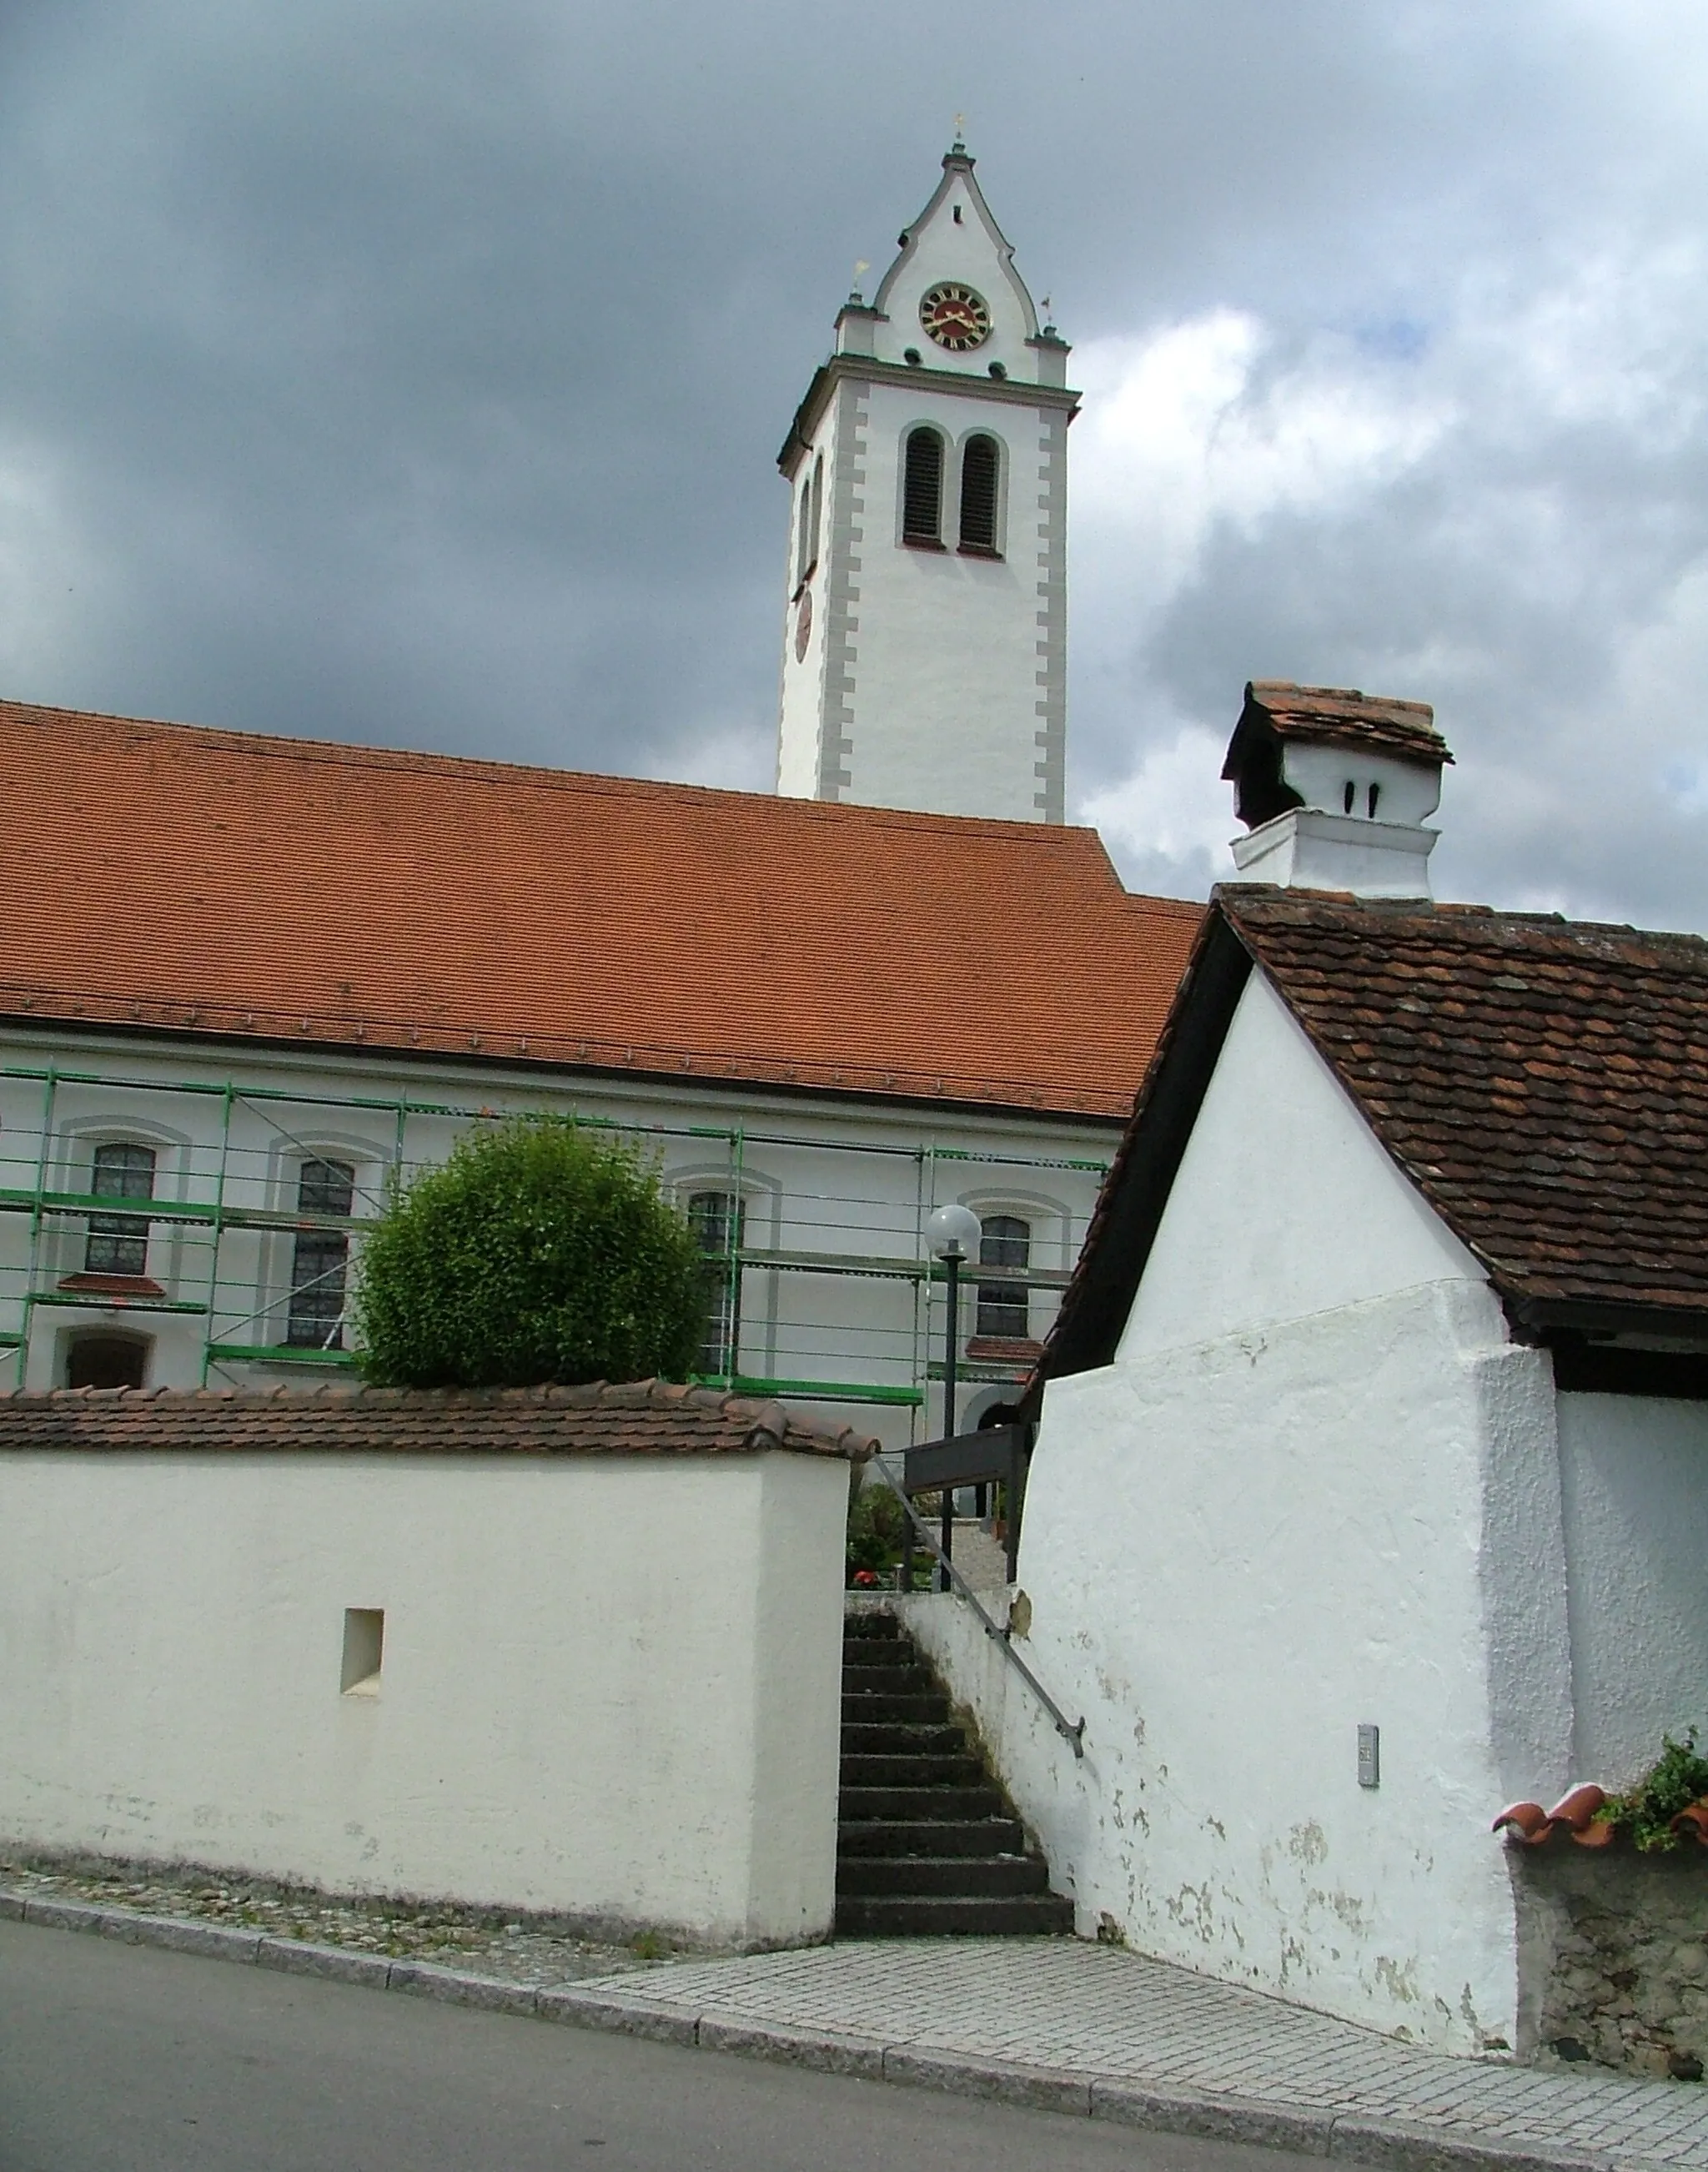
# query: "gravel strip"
{"type": "Point", "coordinates": [511, 1950]}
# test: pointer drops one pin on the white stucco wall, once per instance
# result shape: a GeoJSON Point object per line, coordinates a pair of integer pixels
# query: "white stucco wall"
{"type": "Point", "coordinates": [1284, 1205]}
{"type": "Point", "coordinates": [609, 1691]}
{"type": "Point", "coordinates": [1318, 1488]}
{"type": "Point", "coordinates": [1634, 1474]}
{"type": "Point", "coordinates": [1236, 1553]}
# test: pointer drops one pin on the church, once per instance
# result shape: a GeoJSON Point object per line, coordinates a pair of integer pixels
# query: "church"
{"type": "Point", "coordinates": [250, 981]}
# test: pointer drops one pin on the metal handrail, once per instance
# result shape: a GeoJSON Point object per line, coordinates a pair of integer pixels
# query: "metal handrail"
{"type": "Point", "coordinates": [1073, 1732]}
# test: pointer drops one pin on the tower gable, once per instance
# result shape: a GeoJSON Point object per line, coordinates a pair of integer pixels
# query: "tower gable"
{"type": "Point", "coordinates": [924, 652]}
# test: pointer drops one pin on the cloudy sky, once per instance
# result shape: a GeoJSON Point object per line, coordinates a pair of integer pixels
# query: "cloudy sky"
{"type": "Point", "coordinates": [411, 372]}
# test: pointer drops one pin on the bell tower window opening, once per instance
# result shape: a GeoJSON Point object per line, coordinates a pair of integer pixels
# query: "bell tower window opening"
{"type": "Point", "coordinates": [803, 533]}
{"type": "Point", "coordinates": [923, 490]}
{"type": "Point", "coordinates": [118, 1244]}
{"type": "Point", "coordinates": [320, 1258]}
{"type": "Point", "coordinates": [818, 509]}
{"type": "Point", "coordinates": [981, 467]}
{"type": "Point", "coordinates": [718, 1220]}
{"type": "Point", "coordinates": [1004, 1309]}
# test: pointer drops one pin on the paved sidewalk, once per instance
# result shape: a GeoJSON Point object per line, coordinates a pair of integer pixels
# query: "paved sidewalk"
{"type": "Point", "coordinates": [1048, 2021]}
{"type": "Point", "coordinates": [1106, 2032]}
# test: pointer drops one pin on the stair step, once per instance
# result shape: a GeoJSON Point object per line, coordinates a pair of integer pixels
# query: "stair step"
{"type": "Point", "coordinates": [934, 1837]}
{"type": "Point", "coordinates": [894, 1737]}
{"type": "Point", "coordinates": [959, 1877]}
{"type": "Point", "coordinates": [878, 1652]}
{"type": "Point", "coordinates": [935, 1916]}
{"type": "Point", "coordinates": [887, 1681]}
{"type": "Point", "coordinates": [915, 1708]}
{"type": "Point", "coordinates": [921, 1805]}
{"type": "Point", "coordinates": [860, 1770]}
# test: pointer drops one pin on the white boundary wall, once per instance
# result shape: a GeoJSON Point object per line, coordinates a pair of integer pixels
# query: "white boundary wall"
{"type": "Point", "coordinates": [609, 1689]}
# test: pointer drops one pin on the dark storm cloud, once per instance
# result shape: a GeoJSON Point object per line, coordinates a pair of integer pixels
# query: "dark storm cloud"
{"type": "Point", "coordinates": [414, 373]}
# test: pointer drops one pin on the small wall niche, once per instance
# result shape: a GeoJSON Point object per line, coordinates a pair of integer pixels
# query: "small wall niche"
{"type": "Point", "coordinates": [364, 1646]}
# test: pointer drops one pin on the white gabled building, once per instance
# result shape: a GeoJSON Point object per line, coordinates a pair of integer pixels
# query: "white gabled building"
{"type": "Point", "coordinates": [925, 659]}
{"type": "Point", "coordinates": [1367, 1494]}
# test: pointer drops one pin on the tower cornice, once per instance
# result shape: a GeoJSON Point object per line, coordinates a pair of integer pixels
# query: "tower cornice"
{"type": "Point", "coordinates": [868, 370]}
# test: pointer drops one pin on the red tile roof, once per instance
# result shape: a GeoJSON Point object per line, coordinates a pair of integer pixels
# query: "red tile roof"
{"type": "Point", "coordinates": [226, 884]}
{"type": "Point", "coordinates": [1543, 1082]}
{"type": "Point", "coordinates": [1343, 717]}
{"type": "Point", "coordinates": [634, 1417]}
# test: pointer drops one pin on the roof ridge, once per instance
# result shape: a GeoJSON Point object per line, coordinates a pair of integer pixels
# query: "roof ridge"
{"type": "Point", "coordinates": [362, 754]}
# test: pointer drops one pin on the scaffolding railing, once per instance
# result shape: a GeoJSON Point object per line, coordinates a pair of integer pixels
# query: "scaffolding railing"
{"type": "Point", "coordinates": [829, 1224]}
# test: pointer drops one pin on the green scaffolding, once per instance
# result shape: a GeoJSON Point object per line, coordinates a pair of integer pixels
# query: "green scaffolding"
{"type": "Point", "coordinates": [207, 1223]}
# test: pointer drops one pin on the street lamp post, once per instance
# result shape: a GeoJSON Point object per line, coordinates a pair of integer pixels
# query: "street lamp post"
{"type": "Point", "coordinates": [955, 1232]}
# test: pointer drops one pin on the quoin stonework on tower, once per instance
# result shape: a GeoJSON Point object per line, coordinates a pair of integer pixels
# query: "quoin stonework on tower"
{"type": "Point", "coordinates": [925, 591]}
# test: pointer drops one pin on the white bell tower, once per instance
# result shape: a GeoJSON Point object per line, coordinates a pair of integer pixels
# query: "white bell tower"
{"type": "Point", "coordinates": [926, 618]}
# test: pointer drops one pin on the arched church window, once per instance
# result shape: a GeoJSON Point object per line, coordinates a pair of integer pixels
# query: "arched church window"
{"type": "Point", "coordinates": [1005, 1241]}
{"type": "Point", "coordinates": [817, 508]}
{"type": "Point", "coordinates": [320, 1257]}
{"type": "Point", "coordinates": [717, 1219]}
{"type": "Point", "coordinates": [803, 539]}
{"type": "Point", "coordinates": [981, 459]}
{"type": "Point", "coordinates": [118, 1244]}
{"type": "Point", "coordinates": [923, 488]}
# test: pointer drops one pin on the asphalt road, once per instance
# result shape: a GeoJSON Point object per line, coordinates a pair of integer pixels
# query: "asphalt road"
{"type": "Point", "coordinates": [116, 2058]}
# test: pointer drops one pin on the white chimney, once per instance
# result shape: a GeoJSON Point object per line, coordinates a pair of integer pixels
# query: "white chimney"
{"type": "Point", "coordinates": [1334, 788]}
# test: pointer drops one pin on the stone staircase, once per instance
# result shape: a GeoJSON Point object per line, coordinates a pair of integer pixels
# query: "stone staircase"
{"type": "Point", "coordinates": [928, 1843]}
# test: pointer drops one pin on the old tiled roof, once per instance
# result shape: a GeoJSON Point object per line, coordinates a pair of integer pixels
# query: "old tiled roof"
{"type": "Point", "coordinates": [635, 1417]}
{"type": "Point", "coordinates": [1342, 716]}
{"type": "Point", "coordinates": [1543, 1083]}
{"type": "Point", "coordinates": [224, 884]}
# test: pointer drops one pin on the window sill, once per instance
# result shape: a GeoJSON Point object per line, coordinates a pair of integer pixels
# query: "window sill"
{"type": "Point", "coordinates": [978, 551]}
{"type": "Point", "coordinates": [923, 543]}
{"type": "Point", "coordinates": [112, 1285]}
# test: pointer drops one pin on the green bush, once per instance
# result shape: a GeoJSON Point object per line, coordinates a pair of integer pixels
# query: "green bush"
{"type": "Point", "coordinates": [1677, 1778]}
{"type": "Point", "coordinates": [878, 1529]}
{"type": "Point", "coordinates": [538, 1252]}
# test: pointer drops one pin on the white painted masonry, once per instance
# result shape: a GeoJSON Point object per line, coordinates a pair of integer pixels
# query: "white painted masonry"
{"type": "Point", "coordinates": [609, 1690]}
{"type": "Point", "coordinates": [1634, 1474]}
{"type": "Point", "coordinates": [1284, 1205]}
{"type": "Point", "coordinates": [1321, 1486]}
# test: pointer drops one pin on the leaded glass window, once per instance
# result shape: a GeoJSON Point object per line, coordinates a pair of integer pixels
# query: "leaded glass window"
{"type": "Point", "coordinates": [118, 1244]}
{"type": "Point", "coordinates": [717, 1219]}
{"type": "Point", "coordinates": [320, 1257]}
{"type": "Point", "coordinates": [1006, 1241]}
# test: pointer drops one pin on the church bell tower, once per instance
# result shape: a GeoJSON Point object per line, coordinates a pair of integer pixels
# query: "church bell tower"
{"type": "Point", "coordinates": [925, 615]}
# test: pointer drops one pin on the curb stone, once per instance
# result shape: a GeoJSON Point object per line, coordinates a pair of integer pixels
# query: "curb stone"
{"type": "Point", "coordinates": [1217, 2118]}
{"type": "Point", "coordinates": [65, 1915]}
{"type": "Point", "coordinates": [491, 1994]}
{"type": "Point", "coordinates": [1409, 2148]}
{"type": "Point", "coordinates": [179, 1936]}
{"type": "Point", "coordinates": [1394, 2145]}
{"type": "Point", "coordinates": [1002, 2081]}
{"type": "Point", "coordinates": [862, 2056]}
{"type": "Point", "coordinates": [338, 1963]}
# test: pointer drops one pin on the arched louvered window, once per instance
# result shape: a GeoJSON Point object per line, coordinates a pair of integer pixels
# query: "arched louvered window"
{"type": "Point", "coordinates": [923, 488]}
{"type": "Point", "coordinates": [803, 541]}
{"type": "Point", "coordinates": [979, 467]}
{"type": "Point", "coordinates": [817, 508]}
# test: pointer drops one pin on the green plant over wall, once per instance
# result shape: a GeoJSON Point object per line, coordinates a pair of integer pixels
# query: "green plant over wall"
{"type": "Point", "coordinates": [539, 1252]}
{"type": "Point", "coordinates": [1678, 1777]}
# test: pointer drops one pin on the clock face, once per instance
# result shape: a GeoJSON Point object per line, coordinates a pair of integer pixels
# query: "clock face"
{"type": "Point", "coordinates": [955, 316]}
